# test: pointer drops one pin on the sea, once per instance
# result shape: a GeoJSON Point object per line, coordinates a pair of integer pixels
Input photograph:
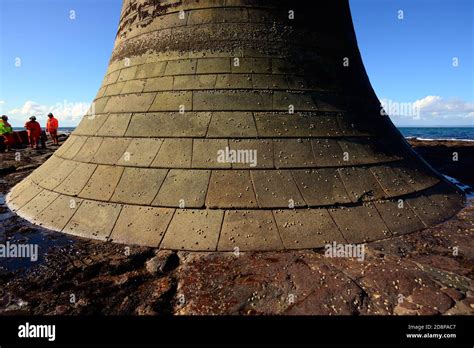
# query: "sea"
{"type": "Point", "coordinates": [438, 133]}
{"type": "Point", "coordinates": [65, 130]}
{"type": "Point", "coordinates": [422, 133]}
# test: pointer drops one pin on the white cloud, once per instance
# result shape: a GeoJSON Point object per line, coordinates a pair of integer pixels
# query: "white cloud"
{"type": "Point", "coordinates": [65, 111]}
{"type": "Point", "coordinates": [436, 106]}
{"type": "Point", "coordinates": [430, 108]}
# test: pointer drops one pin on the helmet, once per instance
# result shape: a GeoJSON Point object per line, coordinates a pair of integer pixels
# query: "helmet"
{"type": "Point", "coordinates": [33, 118]}
{"type": "Point", "coordinates": [50, 115]}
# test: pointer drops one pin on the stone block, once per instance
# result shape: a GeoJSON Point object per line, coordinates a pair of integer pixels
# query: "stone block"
{"type": "Point", "coordinates": [231, 189]}
{"type": "Point", "coordinates": [141, 225]}
{"type": "Point", "coordinates": [102, 183]}
{"type": "Point", "coordinates": [191, 229]}
{"type": "Point", "coordinates": [174, 153]}
{"type": "Point", "coordinates": [139, 185]}
{"type": "Point", "coordinates": [276, 189]}
{"type": "Point", "coordinates": [183, 189]}
{"type": "Point", "coordinates": [307, 228]}
{"type": "Point", "coordinates": [100, 226]}
{"type": "Point", "coordinates": [249, 230]}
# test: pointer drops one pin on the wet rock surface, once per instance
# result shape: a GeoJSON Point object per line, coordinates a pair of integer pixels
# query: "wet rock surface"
{"type": "Point", "coordinates": [427, 272]}
{"type": "Point", "coordinates": [440, 154]}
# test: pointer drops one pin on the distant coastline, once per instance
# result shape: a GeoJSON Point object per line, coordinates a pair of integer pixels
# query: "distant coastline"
{"type": "Point", "coordinates": [438, 133]}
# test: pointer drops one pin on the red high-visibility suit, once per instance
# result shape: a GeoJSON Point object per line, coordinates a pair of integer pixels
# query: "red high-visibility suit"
{"type": "Point", "coordinates": [52, 128]}
{"type": "Point", "coordinates": [34, 132]}
{"type": "Point", "coordinates": [52, 125]}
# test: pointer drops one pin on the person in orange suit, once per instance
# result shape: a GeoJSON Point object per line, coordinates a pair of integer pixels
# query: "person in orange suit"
{"type": "Point", "coordinates": [52, 128]}
{"type": "Point", "coordinates": [34, 132]}
{"type": "Point", "coordinates": [6, 131]}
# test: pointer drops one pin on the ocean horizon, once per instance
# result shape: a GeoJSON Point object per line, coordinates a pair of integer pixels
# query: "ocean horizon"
{"type": "Point", "coordinates": [438, 133]}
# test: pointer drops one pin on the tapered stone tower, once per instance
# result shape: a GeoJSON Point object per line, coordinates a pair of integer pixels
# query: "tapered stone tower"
{"type": "Point", "coordinates": [235, 123]}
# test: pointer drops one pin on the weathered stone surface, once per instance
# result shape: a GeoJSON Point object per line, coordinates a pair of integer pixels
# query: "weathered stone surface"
{"type": "Point", "coordinates": [128, 73]}
{"type": "Point", "coordinates": [262, 147]}
{"type": "Point", "coordinates": [320, 187]}
{"type": "Point", "coordinates": [327, 153]}
{"type": "Point", "coordinates": [231, 101]}
{"type": "Point", "coordinates": [133, 86]}
{"type": "Point", "coordinates": [114, 89]}
{"type": "Point", "coordinates": [429, 213]}
{"type": "Point", "coordinates": [398, 216]}
{"type": "Point", "coordinates": [307, 228]}
{"type": "Point", "coordinates": [252, 65]}
{"type": "Point", "coordinates": [110, 150]}
{"type": "Point", "coordinates": [98, 106]}
{"type": "Point", "coordinates": [150, 70]}
{"type": "Point", "coordinates": [77, 145]}
{"type": "Point", "coordinates": [140, 152]}
{"type": "Point", "coordinates": [231, 81]}
{"type": "Point", "coordinates": [141, 225]}
{"type": "Point", "coordinates": [155, 84]}
{"type": "Point", "coordinates": [27, 194]}
{"type": "Point", "coordinates": [249, 229]}
{"type": "Point", "coordinates": [418, 178]}
{"type": "Point", "coordinates": [139, 185]}
{"type": "Point", "coordinates": [191, 82]}
{"type": "Point", "coordinates": [43, 173]}
{"type": "Point", "coordinates": [293, 153]}
{"type": "Point", "coordinates": [261, 81]}
{"type": "Point", "coordinates": [88, 126]}
{"type": "Point", "coordinates": [174, 153]}
{"type": "Point", "coordinates": [202, 235]}
{"type": "Point", "coordinates": [445, 198]}
{"type": "Point", "coordinates": [232, 125]}
{"type": "Point", "coordinates": [115, 125]}
{"type": "Point", "coordinates": [172, 101]}
{"type": "Point", "coordinates": [133, 102]}
{"type": "Point", "coordinates": [183, 188]}
{"type": "Point", "coordinates": [213, 65]}
{"type": "Point", "coordinates": [88, 149]}
{"type": "Point", "coordinates": [100, 227]}
{"type": "Point", "coordinates": [206, 153]}
{"type": "Point", "coordinates": [295, 125]}
{"type": "Point", "coordinates": [76, 181]}
{"type": "Point", "coordinates": [297, 101]}
{"type": "Point", "coordinates": [181, 67]}
{"type": "Point", "coordinates": [360, 224]}
{"type": "Point", "coordinates": [231, 189]}
{"type": "Point", "coordinates": [56, 215]}
{"type": "Point", "coordinates": [53, 179]}
{"type": "Point", "coordinates": [36, 205]}
{"type": "Point", "coordinates": [392, 182]}
{"type": "Point", "coordinates": [221, 106]}
{"type": "Point", "coordinates": [102, 183]}
{"type": "Point", "coordinates": [276, 189]}
{"type": "Point", "coordinates": [19, 188]}
{"type": "Point", "coordinates": [169, 124]}
{"type": "Point", "coordinates": [418, 273]}
{"type": "Point", "coordinates": [360, 184]}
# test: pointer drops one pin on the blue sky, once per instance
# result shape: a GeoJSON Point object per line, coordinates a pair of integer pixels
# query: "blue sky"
{"type": "Point", "coordinates": [409, 60]}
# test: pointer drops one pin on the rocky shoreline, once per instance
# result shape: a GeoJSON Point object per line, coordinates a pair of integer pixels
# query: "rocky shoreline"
{"type": "Point", "coordinates": [427, 272]}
